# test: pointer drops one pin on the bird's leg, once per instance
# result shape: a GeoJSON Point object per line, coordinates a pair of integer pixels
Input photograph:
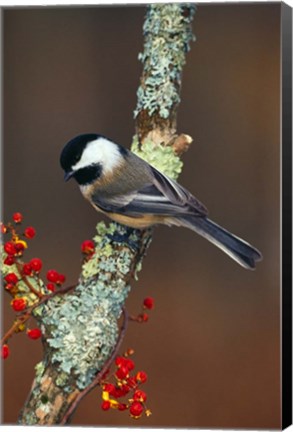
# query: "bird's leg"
{"type": "Point", "coordinates": [124, 238]}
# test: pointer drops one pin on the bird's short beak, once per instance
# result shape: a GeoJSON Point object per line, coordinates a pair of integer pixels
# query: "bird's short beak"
{"type": "Point", "coordinates": [68, 175]}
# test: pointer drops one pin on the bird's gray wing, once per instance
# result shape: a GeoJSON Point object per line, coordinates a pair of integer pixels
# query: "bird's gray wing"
{"type": "Point", "coordinates": [177, 194]}
{"type": "Point", "coordinates": [161, 197]}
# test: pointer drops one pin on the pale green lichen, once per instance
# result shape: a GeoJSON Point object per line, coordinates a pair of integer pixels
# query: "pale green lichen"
{"type": "Point", "coordinates": [161, 157]}
{"type": "Point", "coordinates": [39, 369]}
{"type": "Point", "coordinates": [168, 33]}
{"type": "Point", "coordinates": [62, 379]}
{"type": "Point", "coordinates": [83, 330]}
{"type": "Point", "coordinates": [102, 258]}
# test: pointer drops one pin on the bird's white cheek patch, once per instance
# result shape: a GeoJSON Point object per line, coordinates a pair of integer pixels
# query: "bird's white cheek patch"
{"type": "Point", "coordinates": [100, 151]}
{"type": "Point", "coordinates": [111, 158]}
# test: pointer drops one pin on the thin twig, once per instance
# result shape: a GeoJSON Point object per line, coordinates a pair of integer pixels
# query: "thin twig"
{"type": "Point", "coordinates": [14, 327]}
{"type": "Point", "coordinates": [102, 372]}
{"type": "Point", "coordinates": [27, 282]}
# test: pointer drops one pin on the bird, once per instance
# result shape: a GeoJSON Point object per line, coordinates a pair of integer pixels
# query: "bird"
{"type": "Point", "coordinates": [132, 192]}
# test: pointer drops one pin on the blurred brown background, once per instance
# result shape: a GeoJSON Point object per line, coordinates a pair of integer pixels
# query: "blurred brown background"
{"type": "Point", "coordinates": [211, 348]}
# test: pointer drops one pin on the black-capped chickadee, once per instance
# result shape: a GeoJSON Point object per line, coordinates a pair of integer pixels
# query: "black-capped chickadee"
{"type": "Point", "coordinates": [130, 191]}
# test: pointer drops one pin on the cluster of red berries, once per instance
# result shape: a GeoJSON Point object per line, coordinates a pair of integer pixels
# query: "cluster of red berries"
{"type": "Point", "coordinates": [14, 249]}
{"type": "Point", "coordinates": [54, 278]}
{"type": "Point", "coordinates": [32, 268]}
{"type": "Point", "coordinates": [127, 384]}
{"type": "Point", "coordinates": [29, 232]}
{"type": "Point", "coordinates": [23, 271]}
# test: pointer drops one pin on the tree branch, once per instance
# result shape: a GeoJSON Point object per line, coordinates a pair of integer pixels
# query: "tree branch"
{"type": "Point", "coordinates": [80, 328]}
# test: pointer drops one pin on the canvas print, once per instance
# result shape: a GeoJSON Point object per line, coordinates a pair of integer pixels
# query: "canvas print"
{"type": "Point", "coordinates": [141, 225]}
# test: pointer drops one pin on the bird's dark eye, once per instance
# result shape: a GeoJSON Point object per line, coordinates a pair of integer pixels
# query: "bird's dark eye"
{"type": "Point", "coordinates": [76, 158]}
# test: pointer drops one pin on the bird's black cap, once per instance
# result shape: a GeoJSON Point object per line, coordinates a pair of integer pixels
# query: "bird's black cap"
{"type": "Point", "coordinates": [72, 151]}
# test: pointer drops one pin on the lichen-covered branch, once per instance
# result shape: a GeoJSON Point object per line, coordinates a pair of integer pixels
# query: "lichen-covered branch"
{"type": "Point", "coordinates": [80, 328]}
{"type": "Point", "coordinates": [167, 33]}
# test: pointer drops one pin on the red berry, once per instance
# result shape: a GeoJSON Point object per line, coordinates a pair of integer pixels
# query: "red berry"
{"type": "Point", "coordinates": [34, 333]}
{"type": "Point", "coordinates": [122, 361]}
{"type": "Point", "coordinates": [19, 246]}
{"type": "Point", "coordinates": [5, 351]}
{"type": "Point", "coordinates": [129, 364]}
{"type": "Point", "coordinates": [3, 228]}
{"type": "Point", "coordinates": [52, 276]}
{"type": "Point", "coordinates": [18, 304]}
{"type": "Point", "coordinates": [10, 248]}
{"type": "Point", "coordinates": [88, 247]}
{"type": "Point", "coordinates": [148, 303]}
{"type": "Point", "coordinates": [120, 391]}
{"type": "Point", "coordinates": [141, 376]}
{"type": "Point", "coordinates": [140, 396]}
{"type": "Point", "coordinates": [27, 269]}
{"type": "Point", "coordinates": [144, 317]}
{"type": "Point", "coordinates": [17, 217]}
{"type": "Point", "coordinates": [122, 407]}
{"type": "Point", "coordinates": [51, 287]}
{"type": "Point", "coordinates": [110, 388]}
{"type": "Point", "coordinates": [61, 279]}
{"type": "Point", "coordinates": [9, 260]}
{"type": "Point", "coordinates": [29, 232]}
{"type": "Point", "coordinates": [36, 264]}
{"type": "Point", "coordinates": [122, 372]}
{"type": "Point", "coordinates": [131, 382]}
{"type": "Point", "coordinates": [136, 409]}
{"type": "Point", "coordinates": [106, 405]}
{"type": "Point", "coordinates": [9, 286]}
{"type": "Point", "coordinates": [119, 361]}
{"type": "Point", "coordinates": [124, 389]}
{"type": "Point", "coordinates": [117, 393]}
{"type": "Point", "coordinates": [11, 278]}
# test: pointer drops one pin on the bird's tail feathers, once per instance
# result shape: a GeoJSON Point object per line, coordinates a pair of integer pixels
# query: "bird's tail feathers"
{"type": "Point", "coordinates": [238, 249]}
